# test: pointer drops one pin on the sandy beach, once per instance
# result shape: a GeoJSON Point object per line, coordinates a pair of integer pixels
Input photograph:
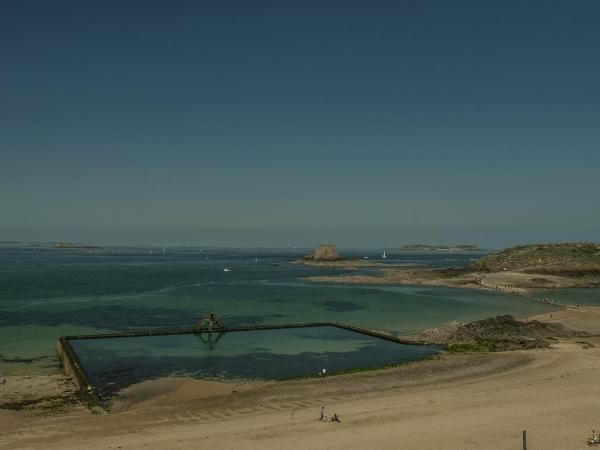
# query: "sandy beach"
{"type": "Point", "coordinates": [457, 401]}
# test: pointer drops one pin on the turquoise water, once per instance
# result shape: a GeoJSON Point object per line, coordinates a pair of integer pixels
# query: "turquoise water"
{"type": "Point", "coordinates": [46, 293]}
{"type": "Point", "coordinates": [571, 296]}
{"type": "Point", "coordinates": [115, 363]}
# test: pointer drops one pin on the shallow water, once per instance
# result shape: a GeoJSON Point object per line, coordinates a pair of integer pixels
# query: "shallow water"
{"type": "Point", "coordinates": [115, 363]}
{"type": "Point", "coordinates": [571, 296]}
{"type": "Point", "coordinates": [47, 293]}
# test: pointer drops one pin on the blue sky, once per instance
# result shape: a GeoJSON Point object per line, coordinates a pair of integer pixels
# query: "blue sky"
{"type": "Point", "coordinates": [279, 123]}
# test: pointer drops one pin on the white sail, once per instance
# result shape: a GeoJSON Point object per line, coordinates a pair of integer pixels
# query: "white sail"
{"type": "Point", "coordinates": [383, 256]}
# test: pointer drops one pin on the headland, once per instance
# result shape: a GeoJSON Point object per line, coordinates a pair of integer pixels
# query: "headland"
{"type": "Point", "coordinates": [524, 270]}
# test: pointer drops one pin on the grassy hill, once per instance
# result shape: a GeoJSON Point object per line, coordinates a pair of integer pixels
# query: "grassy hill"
{"type": "Point", "coordinates": [566, 259]}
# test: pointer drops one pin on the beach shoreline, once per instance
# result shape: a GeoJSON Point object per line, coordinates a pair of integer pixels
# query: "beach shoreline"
{"type": "Point", "coordinates": [403, 401]}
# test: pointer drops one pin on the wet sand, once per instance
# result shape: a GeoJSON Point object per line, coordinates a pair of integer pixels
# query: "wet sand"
{"type": "Point", "coordinates": [458, 401]}
{"type": "Point", "coordinates": [525, 284]}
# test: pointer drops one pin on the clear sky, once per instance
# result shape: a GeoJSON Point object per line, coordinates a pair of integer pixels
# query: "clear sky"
{"type": "Point", "coordinates": [272, 123]}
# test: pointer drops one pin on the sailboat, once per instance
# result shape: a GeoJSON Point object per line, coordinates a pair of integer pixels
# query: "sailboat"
{"type": "Point", "coordinates": [256, 259]}
{"type": "Point", "coordinates": [383, 256]}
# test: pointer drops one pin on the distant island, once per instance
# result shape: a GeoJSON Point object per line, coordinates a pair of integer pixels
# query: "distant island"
{"type": "Point", "coordinates": [71, 245]}
{"type": "Point", "coordinates": [429, 247]}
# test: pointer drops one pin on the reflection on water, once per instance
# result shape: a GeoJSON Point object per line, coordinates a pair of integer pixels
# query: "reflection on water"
{"type": "Point", "coordinates": [209, 340]}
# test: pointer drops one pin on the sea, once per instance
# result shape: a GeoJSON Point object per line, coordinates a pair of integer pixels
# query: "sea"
{"type": "Point", "coordinates": [571, 296]}
{"type": "Point", "coordinates": [46, 293]}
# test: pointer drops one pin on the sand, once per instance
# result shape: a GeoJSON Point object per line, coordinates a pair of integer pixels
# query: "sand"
{"type": "Point", "coordinates": [582, 319]}
{"type": "Point", "coordinates": [460, 401]}
{"type": "Point", "coordinates": [36, 391]}
{"type": "Point", "coordinates": [525, 284]}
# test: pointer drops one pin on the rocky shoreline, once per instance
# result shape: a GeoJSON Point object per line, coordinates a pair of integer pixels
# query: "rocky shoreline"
{"type": "Point", "coordinates": [479, 275]}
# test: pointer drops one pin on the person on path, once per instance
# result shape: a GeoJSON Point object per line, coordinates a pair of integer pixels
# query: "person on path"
{"type": "Point", "coordinates": [322, 416]}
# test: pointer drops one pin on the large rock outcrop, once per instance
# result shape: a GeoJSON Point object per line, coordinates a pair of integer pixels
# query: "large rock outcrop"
{"type": "Point", "coordinates": [497, 334]}
{"type": "Point", "coordinates": [324, 252]}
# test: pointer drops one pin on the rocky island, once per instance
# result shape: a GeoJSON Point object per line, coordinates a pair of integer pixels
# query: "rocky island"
{"type": "Point", "coordinates": [72, 246]}
{"type": "Point", "coordinates": [324, 252]}
{"type": "Point", "coordinates": [326, 255]}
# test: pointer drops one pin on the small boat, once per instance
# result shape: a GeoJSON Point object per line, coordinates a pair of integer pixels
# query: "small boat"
{"type": "Point", "coordinates": [150, 252]}
{"type": "Point", "coordinates": [365, 257]}
{"type": "Point", "coordinates": [226, 270]}
{"type": "Point", "coordinates": [383, 256]}
{"type": "Point", "coordinates": [256, 259]}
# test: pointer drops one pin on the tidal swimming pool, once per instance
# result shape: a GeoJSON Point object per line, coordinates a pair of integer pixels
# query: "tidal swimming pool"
{"type": "Point", "coordinates": [274, 354]}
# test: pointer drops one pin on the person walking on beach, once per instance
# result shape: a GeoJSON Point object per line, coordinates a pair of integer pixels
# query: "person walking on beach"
{"type": "Point", "coordinates": [322, 416]}
{"type": "Point", "coordinates": [594, 440]}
